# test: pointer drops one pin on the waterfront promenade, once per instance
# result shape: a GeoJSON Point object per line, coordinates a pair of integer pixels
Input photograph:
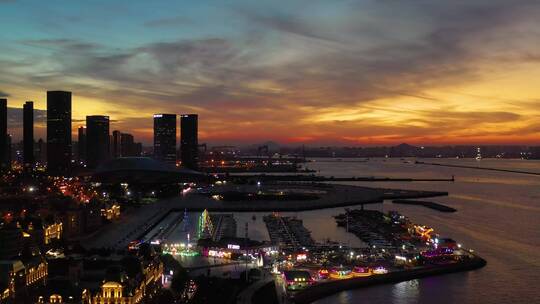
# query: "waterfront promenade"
{"type": "Point", "coordinates": [325, 289]}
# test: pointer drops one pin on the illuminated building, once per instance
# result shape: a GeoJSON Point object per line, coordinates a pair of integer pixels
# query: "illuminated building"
{"type": "Point", "coordinates": [81, 132]}
{"type": "Point", "coordinates": [113, 292]}
{"type": "Point", "coordinates": [10, 273]}
{"type": "Point", "coordinates": [205, 228]}
{"type": "Point", "coordinates": [97, 140]}
{"type": "Point", "coordinates": [165, 137]}
{"type": "Point", "coordinates": [36, 271]}
{"type": "Point", "coordinates": [341, 273]}
{"type": "Point", "coordinates": [52, 232]}
{"type": "Point", "coordinates": [297, 279]}
{"type": "Point", "coordinates": [111, 213]}
{"type": "Point", "coordinates": [58, 131]}
{"type": "Point", "coordinates": [28, 133]}
{"type": "Point", "coordinates": [361, 271]}
{"type": "Point", "coordinates": [189, 142]}
{"type": "Point", "coordinates": [3, 134]}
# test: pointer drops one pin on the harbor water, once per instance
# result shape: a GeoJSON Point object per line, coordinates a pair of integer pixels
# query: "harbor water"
{"type": "Point", "coordinates": [498, 215]}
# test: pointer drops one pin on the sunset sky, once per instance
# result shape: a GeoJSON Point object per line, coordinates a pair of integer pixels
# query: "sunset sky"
{"type": "Point", "coordinates": [296, 72]}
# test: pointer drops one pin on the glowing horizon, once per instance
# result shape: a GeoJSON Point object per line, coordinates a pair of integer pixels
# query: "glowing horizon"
{"type": "Point", "coordinates": [309, 72]}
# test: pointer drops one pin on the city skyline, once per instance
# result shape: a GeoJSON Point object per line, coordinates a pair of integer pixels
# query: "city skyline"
{"type": "Point", "coordinates": [343, 73]}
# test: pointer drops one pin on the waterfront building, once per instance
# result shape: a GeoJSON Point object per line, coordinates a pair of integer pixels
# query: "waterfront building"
{"type": "Point", "coordinates": [58, 131]}
{"type": "Point", "coordinates": [3, 134]}
{"type": "Point", "coordinates": [97, 140]}
{"type": "Point", "coordinates": [28, 133]}
{"type": "Point", "coordinates": [165, 137]}
{"type": "Point", "coordinates": [81, 132]}
{"type": "Point", "coordinates": [189, 142]}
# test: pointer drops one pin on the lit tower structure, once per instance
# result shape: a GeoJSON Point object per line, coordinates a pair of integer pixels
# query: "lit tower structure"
{"type": "Point", "coordinates": [206, 229]}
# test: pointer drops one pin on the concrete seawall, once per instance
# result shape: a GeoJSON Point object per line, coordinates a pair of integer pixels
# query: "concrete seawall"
{"type": "Point", "coordinates": [322, 290]}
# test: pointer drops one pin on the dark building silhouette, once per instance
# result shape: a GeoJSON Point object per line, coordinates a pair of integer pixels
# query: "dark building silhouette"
{"type": "Point", "coordinates": [81, 134]}
{"type": "Point", "coordinates": [3, 134]}
{"type": "Point", "coordinates": [58, 131]}
{"type": "Point", "coordinates": [41, 151]}
{"type": "Point", "coordinates": [9, 151]}
{"type": "Point", "coordinates": [165, 137]}
{"type": "Point", "coordinates": [189, 140]}
{"type": "Point", "coordinates": [97, 140]}
{"type": "Point", "coordinates": [116, 144]}
{"type": "Point", "coordinates": [128, 147]}
{"type": "Point", "coordinates": [28, 133]}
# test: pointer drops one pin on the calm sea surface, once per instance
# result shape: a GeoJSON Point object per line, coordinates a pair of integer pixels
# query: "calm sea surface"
{"type": "Point", "coordinates": [498, 216]}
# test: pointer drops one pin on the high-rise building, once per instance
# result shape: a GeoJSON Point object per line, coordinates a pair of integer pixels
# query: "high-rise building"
{"type": "Point", "coordinates": [127, 145]}
{"type": "Point", "coordinates": [41, 151]}
{"type": "Point", "coordinates": [116, 144]}
{"type": "Point", "coordinates": [97, 140]}
{"type": "Point", "coordinates": [28, 133]}
{"type": "Point", "coordinates": [58, 131]}
{"type": "Point", "coordinates": [138, 149]}
{"type": "Point", "coordinates": [165, 137]}
{"type": "Point", "coordinates": [189, 140]}
{"type": "Point", "coordinates": [9, 151]}
{"type": "Point", "coordinates": [3, 134]}
{"type": "Point", "coordinates": [81, 151]}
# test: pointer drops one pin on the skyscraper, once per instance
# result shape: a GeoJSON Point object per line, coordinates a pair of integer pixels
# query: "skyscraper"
{"type": "Point", "coordinates": [3, 134]}
{"type": "Point", "coordinates": [81, 151]}
{"type": "Point", "coordinates": [41, 152]}
{"type": "Point", "coordinates": [58, 131]}
{"type": "Point", "coordinates": [127, 145]}
{"type": "Point", "coordinates": [97, 140]}
{"type": "Point", "coordinates": [28, 133]}
{"type": "Point", "coordinates": [115, 144]}
{"type": "Point", "coordinates": [165, 137]}
{"type": "Point", "coordinates": [189, 140]}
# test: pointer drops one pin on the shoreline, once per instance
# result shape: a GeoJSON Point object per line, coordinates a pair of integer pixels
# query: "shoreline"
{"type": "Point", "coordinates": [326, 289]}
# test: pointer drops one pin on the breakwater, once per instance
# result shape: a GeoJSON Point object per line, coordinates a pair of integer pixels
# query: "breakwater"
{"type": "Point", "coordinates": [430, 205]}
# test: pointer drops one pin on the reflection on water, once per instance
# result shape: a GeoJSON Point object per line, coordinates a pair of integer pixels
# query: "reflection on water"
{"type": "Point", "coordinates": [498, 216]}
